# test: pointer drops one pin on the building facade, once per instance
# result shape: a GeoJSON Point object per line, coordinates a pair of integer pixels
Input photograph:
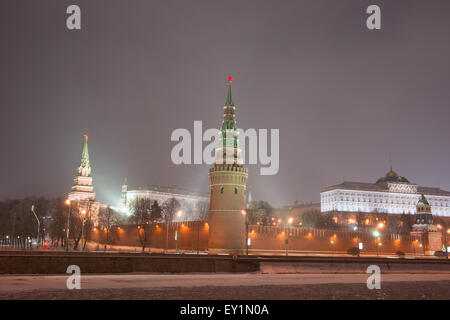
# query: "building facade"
{"type": "Point", "coordinates": [195, 201]}
{"type": "Point", "coordinates": [390, 194]}
{"type": "Point", "coordinates": [228, 180]}
{"type": "Point", "coordinates": [82, 195]}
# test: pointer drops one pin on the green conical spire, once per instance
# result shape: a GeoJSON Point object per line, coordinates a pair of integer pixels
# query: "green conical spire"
{"type": "Point", "coordinates": [85, 169]}
{"type": "Point", "coordinates": [423, 200]}
{"type": "Point", "coordinates": [250, 198]}
{"type": "Point", "coordinates": [229, 101]}
{"type": "Point", "coordinates": [85, 153]}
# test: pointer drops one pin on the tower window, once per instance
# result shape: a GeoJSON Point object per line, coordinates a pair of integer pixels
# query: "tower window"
{"type": "Point", "coordinates": [221, 190]}
{"type": "Point", "coordinates": [235, 190]}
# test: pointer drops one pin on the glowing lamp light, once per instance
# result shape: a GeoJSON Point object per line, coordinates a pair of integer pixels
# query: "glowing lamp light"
{"type": "Point", "coordinates": [67, 202]}
{"type": "Point", "coordinates": [380, 225]}
{"type": "Point", "coordinates": [332, 242]}
{"type": "Point", "coordinates": [243, 212]}
{"type": "Point", "coordinates": [376, 233]}
{"type": "Point", "coordinates": [179, 213]}
{"type": "Point", "coordinates": [290, 220]}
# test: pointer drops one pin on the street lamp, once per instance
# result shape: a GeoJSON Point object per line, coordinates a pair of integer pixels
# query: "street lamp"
{"type": "Point", "coordinates": [332, 249]}
{"type": "Point", "coordinates": [376, 234]}
{"type": "Point", "coordinates": [244, 213]}
{"type": "Point", "coordinates": [68, 226]}
{"type": "Point", "coordinates": [179, 213]}
{"type": "Point", "coordinates": [287, 235]}
{"type": "Point", "coordinates": [38, 223]}
{"type": "Point", "coordinates": [83, 213]}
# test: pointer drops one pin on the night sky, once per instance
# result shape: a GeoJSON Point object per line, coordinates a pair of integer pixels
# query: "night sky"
{"type": "Point", "coordinates": [343, 97]}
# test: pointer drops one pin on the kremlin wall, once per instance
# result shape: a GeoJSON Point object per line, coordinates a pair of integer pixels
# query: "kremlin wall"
{"type": "Point", "coordinates": [264, 239]}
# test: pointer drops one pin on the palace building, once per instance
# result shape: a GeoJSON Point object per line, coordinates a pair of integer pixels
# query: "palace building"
{"type": "Point", "coordinates": [160, 194]}
{"type": "Point", "coordinates": [390, 194]}
{"type": "Point", "coordinates": [82, 195]}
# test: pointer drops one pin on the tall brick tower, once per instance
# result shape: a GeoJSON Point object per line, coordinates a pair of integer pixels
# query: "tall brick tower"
{"type": "Point", "coordinates": [424, 230]}
{"type": "Point", "coordinates": [228, 179]}
{"type": "Point", "coordinates": [82, 195]}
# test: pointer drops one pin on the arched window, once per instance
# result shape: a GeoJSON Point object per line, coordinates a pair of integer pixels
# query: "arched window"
{"type": "Point", "coordinates": [221, 190]}
{"type": "Point", "coordinates": [235, 190]}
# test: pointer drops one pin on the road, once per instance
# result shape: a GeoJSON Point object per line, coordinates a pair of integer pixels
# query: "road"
{"type": "Point", "coordinates": [226, 286]}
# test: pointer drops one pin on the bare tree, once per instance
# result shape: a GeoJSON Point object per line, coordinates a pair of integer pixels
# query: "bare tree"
{"type": "Point", "coordinates": [169, 208]}
{"type": "Point", "coordinates": [141, 208]}
{"type": "Point", "coordinates": [58, 224]}
{"type": "Point", "coordinates": [156, 212]}
{"type": "Point", "coordinates": [107, 219]}
{"type": "Point", "coordinates": [203, 210]}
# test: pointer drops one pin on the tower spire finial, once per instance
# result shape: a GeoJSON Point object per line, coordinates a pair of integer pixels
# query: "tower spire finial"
{"type": "Point", "coordinates": [390, 160]}
{"type": "Point", "coordinates": [229, 101]}
{"type": "Point", "coordinates": [85, 153]}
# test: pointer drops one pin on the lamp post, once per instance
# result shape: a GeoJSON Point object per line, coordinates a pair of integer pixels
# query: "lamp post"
{"type": "Point", "coordinates": [83, 214]}
{"type": "Point", "coordinates": [198, 236]}
{"type": "Point", "coordinates": [287, 235]}
{"type": "Point", "coordinates": [179, 213]}
{"type": "Point", "coordinates": [376, 234]}
{"type": "Point", "coordinates": [68, 226]}
{"type": "Point", "coordinates": [38, 223]}
{"type": "Point", "coordinates": [332, 245]}
{"type": "Point", "coordinates": [244, 213]}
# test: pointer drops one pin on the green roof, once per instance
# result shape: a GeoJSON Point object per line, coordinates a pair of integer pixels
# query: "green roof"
{"type": "Point", "coordinates": [229, 101]}
{"type": "Point", "coordinates": [85, 153]}
{"type": "Point", "coordinates": [423, 200]}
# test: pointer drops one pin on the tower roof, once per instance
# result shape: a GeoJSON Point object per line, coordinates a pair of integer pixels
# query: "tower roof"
{"type": "Point", "coordinates": [391, 176]}
{"type": "Point", "coordinates": [85, 168]}
{"type": "Point", "coordinates": [423, 200]}
{"type": "Point", "coordinates": [85, 153]}
{"type": "Point", "coordinates": [250, 198]}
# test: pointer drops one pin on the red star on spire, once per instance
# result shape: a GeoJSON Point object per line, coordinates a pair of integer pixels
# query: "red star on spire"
{"type": "Point", "coordinates": [230, 79]}
{"type": "Point", "coordinates": [85, 136]}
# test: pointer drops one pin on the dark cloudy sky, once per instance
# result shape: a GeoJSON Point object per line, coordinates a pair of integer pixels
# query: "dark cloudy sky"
{"type": "Point", "coordinates": [343, 97]}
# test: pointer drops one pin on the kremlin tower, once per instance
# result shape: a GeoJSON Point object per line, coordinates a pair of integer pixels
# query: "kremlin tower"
{"type": "Point", "coordinates": [424, 230]}
{"type": "Point", "coordinates": [228, 179]}
{"type": "Point", "coordinates": [82, 195]}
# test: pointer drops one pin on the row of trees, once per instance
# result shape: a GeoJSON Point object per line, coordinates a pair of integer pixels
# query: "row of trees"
{"type": "Point", "coordinates": [17, 221]}
{"type": "Point", "coordinates": [146, 213]}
